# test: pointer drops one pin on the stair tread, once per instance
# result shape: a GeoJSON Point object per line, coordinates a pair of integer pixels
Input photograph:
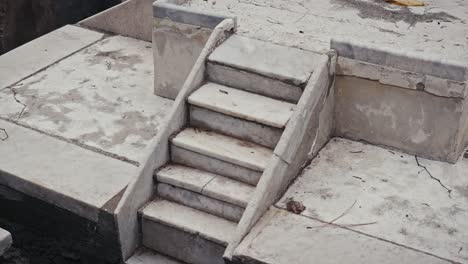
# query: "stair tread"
{"type": "Point", "coordinates": [229, 149]}
{"type": "Point", "coordinates": [190, 220]}
{"type": "Point", "coordinates": [272, 60]}
{"type": "Point", "coordinates": [148, 256]}
{"type": "Point", "coordinates": [242, 104]}
{"type": "Point", "coordinates": [206, 183]}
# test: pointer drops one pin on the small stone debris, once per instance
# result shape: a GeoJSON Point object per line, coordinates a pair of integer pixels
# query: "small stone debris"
{"type": "Point", "coordinates": [222, 91]}
{"type": "Point", "coordinates": [295, 206]}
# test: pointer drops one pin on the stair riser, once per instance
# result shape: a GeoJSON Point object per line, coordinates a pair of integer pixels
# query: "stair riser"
{"type": "Point", "coordinates": [181, 245]}
{"type": "Point", "coordinates": [253, 82]}
{"type": "Point", "coordinates": [200, 161]}
{"type": "Point", "coordinates": [200, 202]}
{"type": "Point", "coordinates": [251, 131]}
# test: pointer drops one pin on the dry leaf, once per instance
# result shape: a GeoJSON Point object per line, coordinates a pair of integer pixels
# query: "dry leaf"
{"type": "Point", "coordinates": [406, 2]}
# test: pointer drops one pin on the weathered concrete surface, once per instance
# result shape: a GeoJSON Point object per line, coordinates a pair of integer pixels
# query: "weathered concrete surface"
{"type": "Point", "coordinates": [386, 194]}
{"type": "Point", "coordinates": [5, 240]}
{"type": "Point", "coordinates": [132, 18]}
{"type": "Point", "coordinates": [62, 174]}
{"type": "Point", "coordinates": [307, 131]}
{"type": "Point", "coordinates": [414, 121]}
{"type": "Point", "coordinates": [278, 62]}
{"type": "Point", "coordinates": [40, 53]}
{"type": "Point", "coordinates": [438, 29]}
{"type": "Point", "coordinates": [100, 97]}
{"type": "Point", "coordinates": [281, 237]}
{"type": "Point", "coordinates": [176, 47]}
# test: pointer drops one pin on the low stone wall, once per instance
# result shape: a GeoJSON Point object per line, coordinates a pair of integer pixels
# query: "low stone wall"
{"type": "Point", "coordinates": [179, 36]}
{"type": "Point", "coordinates": [401, 101]}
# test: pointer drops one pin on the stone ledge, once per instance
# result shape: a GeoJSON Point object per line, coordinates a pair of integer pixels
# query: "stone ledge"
{"type": "Point", "coordinates": [173, 10]}
{"type": "Point", "coordinates": [409, 61]}
{"type": "Point", "coordinates": [5, 241]}
{"type": "Point", "coordinates": [401, 78]}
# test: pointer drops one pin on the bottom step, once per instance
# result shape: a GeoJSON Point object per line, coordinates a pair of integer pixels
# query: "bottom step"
{"type": "Point", "coordinates": [184, 233]}
{"type": "Point", "coordinates": [148, 256]}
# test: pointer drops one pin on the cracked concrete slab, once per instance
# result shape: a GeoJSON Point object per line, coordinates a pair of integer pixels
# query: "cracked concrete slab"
{"type": "Point", "coordinates": [100, 97]}
{"type": "Point", "coordinates": [281, 237]}
{"type": "Point", "coordinates": [387, 194]}
{"type": "Point", "coordinates": [437, 29]}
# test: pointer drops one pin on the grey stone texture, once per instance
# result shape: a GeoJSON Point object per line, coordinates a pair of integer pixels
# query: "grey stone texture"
{"type": "Point", "coordinates": [5, 241]}
{"type": "Point", "coordinates": [414, 121]}
{"type": "Point", "coordinates": [176, 47]}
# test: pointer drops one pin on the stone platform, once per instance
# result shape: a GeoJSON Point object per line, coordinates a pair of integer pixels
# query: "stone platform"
{"type": "Point", "coordinates": [76, 115]}
{"type": "Point", "coordinates": [367, 204]}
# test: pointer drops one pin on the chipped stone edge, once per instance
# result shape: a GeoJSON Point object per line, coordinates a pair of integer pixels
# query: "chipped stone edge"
{"type": "Point", "coordinates": [288, 157]}
{"type": "Point", "coordinates": [409, 61]}
{"type": "Point", "coordinates": [5, 241]}
{"type": "Point", "coordinates": [401, 78]}
{"type": "Point", "coordinates": [174, 11]}
{"type": "Point", "coordinates": [140, 190]}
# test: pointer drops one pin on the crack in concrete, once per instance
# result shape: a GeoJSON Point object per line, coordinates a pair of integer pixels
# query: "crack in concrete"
{"type": "Point", "coordinates": [434, 178]}
{"type": "Point", "coordinates": [76, 143]}
{"type": "Point", "coordinates": [369, 235]}
{"type": "Point", "coordinates": [15, 94]}
{"type": "Point", "coordinates": [206, 184]}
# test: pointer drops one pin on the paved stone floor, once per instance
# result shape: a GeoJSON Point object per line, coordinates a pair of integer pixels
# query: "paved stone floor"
{"type": "Point", "coordinates": [437, 30]}
{"type": "Point", "coordinates": [377, 205]}
{"type": "Point", "coordinates": [78, 118]}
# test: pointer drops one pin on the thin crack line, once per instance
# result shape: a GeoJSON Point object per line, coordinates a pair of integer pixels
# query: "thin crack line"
{"type": "Point", "coordinates": [434, 178]}
{"type": "Point", "coordinates": [18, 101]}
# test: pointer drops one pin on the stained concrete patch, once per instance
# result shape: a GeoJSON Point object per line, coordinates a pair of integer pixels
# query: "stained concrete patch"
{"type": "Point", "coordinates": [386, 194]}
{"type": "Point", "coordinates": [101, 97]}
{"type": "Point", "coordinates": [437, 29]}
{"type": "Point", "coordinates": [381, 10]}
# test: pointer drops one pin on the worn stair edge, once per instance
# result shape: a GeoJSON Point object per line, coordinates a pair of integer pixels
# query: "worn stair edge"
{"type": "Point", "coordinates": [181, 245]}
{"type": "Point", "coordinates": [206, 183]}
{"type": "Point", "coordinates": [235, 127]}
{"type": "Point", "coordinates": [147, 256]}
{"type": "Point", "coordinates": [190, 220]}
{"type": "Point", "coordinates": [203, 162]}
{"type": "Point", "coordinates": [288, 64]}
{"type": "Point", "coordinates": [253, 83]}
{"type": "Point", "coordinates": [200, 202]}
{"type": "Point", "coordinates": [225, 148]}
{"type": "Point", "coordinates": [242, 104]}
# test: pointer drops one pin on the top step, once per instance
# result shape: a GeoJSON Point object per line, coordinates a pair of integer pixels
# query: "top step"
{"type": "Point", "coordinates": [287, 64]}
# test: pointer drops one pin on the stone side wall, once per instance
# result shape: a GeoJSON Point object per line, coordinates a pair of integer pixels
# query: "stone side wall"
{"type": "Point", "coordinates": [24, 20]}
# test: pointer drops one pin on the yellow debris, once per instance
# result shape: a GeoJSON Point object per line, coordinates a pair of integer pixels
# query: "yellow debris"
{"type": "Point", "coordinates": [406, 2]}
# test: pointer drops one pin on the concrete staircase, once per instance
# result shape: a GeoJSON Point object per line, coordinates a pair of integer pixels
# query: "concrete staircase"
{"type": "Point", "coordinates": [235, 121]}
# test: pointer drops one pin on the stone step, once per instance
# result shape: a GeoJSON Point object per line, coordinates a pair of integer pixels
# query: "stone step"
{"type": "Point", "coordinates": [200, 202]}
{"type": "Point", "coordinates": [224, 148]}
{"type": "Point", "coordinates": [243, 105]}
{"type": "Point", "coordinates": [204, 191]}
{"type": "Point", "coordinates": [235, 127]}
{"type": "Point", "coordinates": [148, 256]}
{"type": "Point", "coordinates": [253, 82]}
{"type": "Point", "coordinates": [184, 233]}
{"type": "Point", "coordinates": [206, 183]}
{"type": "Point", "coordinates": [262, 67]}
{"type": "Point", "coordinates": [203, 162]}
